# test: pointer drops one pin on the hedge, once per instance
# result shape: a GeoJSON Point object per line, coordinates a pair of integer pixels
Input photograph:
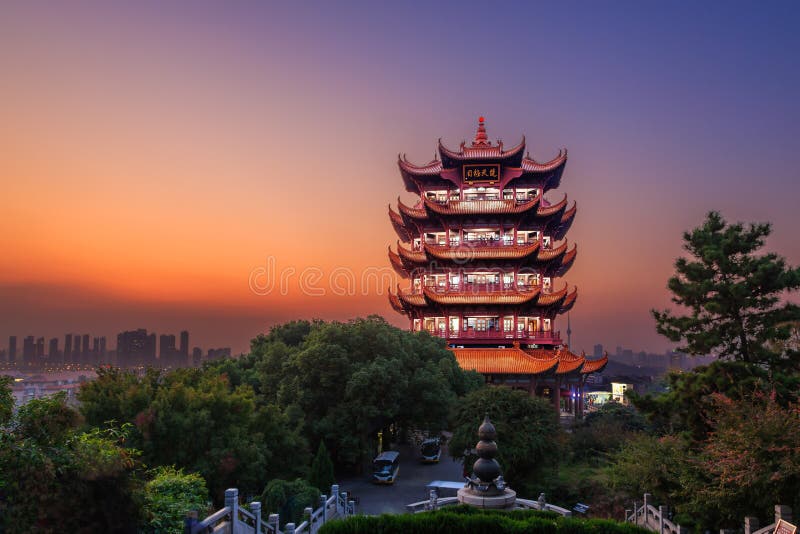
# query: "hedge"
{"type": "Point", "coordinates": [467, 520]}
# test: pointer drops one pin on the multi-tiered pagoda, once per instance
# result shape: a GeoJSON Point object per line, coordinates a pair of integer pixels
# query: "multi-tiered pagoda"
{"type": "Point", "coordinates": [484, 250]}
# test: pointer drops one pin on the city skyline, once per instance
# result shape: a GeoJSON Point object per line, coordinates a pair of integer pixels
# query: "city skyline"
{"type": "Point", "coordinates": [155, 158]}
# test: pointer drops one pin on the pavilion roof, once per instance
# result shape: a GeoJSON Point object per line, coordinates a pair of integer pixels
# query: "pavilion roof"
{"type": "Point", "coordinates": [546, 211]}
{"type": "Point", "coordinates": [531, 165]}
{"type": "Point", "coordinates": [595, 366]}
{"type": "Point", "coordinates": [569, 301]}
{"type": "Point", "coordinates": [432, 168]}
{"type": "Point", "coordinates": [469, 297]}
{"type": "Point", "coordinates": [479, 252]}
{"type": "Point", "coordinates": [547, 254]}
{"type": "Point", "coordinates": [505, 361]}
{"type": "Point", "coordinates": [517, 361]}
{"type": "Point", "coordinates": [470, 207]}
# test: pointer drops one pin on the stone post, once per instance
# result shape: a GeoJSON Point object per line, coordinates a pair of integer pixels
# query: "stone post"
{"type": "Point", "coordinates": [343, 497]}
{"type": "Point", "coordinates": [274, 522]}
{"type": "Point", "coordinates": [750, 524]}
{"type": "Point", "coordinates": [662, 511]}
{"type": "Point", "coordinates": [335, 493]}
{"type": "Point", "coordinates": [635, 513]}
{"type": "Point", "coordinates": [289, 528]}
{"type": "Point", "coordinates": [627, 514]}
{"type": "Point", "coordinates": [190, 521]}
{"type": "Point", "coordinates": [351, 507]}
{"type": "Point", "coordinates": [648, 498]}
{"type": "Point", "coordinates": [323, 500]}
{"type": "Point", "coordinates": [232, 502]}
{"type": "Point", "coordinates": [255, 507]}
{"type": "Point", "coordinates": [542, 502]}
{"type": "Point", "coordinates": [784, 512]}
{"type": "Point", "coordinates": [307, 511]}
{"type": "Point", "coordinates": [433, 499]}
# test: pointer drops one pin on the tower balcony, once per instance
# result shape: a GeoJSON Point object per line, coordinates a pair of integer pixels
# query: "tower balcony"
{"type": "Point", "coordinates": [496, 336]}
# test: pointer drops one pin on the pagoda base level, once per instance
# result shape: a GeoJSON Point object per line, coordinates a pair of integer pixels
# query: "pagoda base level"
{"type": "Point", "coordinates": [505, 500]}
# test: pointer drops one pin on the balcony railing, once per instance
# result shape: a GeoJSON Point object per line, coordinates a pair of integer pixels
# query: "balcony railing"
{"type": "Point", "coordinates": [479, 289]}
{"type": "Point", "coordinates": [540, 336]}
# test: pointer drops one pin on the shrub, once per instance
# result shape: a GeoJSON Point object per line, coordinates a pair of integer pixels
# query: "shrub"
{"type": "Point", "coordinates": [169, 496]}
{"type": "Point", "coordinates": [465, 520]}
{"type": "Point", "coordinates": [288, 499]}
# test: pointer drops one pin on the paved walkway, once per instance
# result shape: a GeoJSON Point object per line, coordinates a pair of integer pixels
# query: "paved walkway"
{"type": "Point", "coordinates": [377, 499]}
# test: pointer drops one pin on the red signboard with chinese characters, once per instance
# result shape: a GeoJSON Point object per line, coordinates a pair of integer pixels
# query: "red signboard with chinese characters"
{"type": "Point", "coordinates": [484, 173]}
{"type": "Point", "coordinates": [782, 527]}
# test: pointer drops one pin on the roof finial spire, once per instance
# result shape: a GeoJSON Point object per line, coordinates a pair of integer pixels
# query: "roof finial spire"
{"type": "Point", "coordinates": [481, 139]}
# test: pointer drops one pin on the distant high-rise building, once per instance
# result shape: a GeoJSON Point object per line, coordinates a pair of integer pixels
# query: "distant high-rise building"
{"type": "Point", "coordinates": [85, 358]}
{"type": "Point", "coordinates": [39, 350]}
{"type": "Point", "coordinates": [103, 352]}
{"type": "Point", "coordinates": [598, 351]}
{"type": "Point", "coordinates": [215, 354]}
{"type": "Point", "coordinates": [52, 353]}
{"type": "Point", "coordinates": [184, 346]}
{"type": "Point", "coordinates": [619, 351]}
{"type": "Point", "coordinates": [197, 356]}
{"type": "Point", "coordinates": [12, 349]}
{"type": "Point", "coordinates": [68, 348]}
{"type": "Point", "coordinates": [627, 356]}
{"type": "Point", "coordinates": [76, 350]}
{"type": "Point", "coordinates": [136, 347]}
{"type": "Point", "coordinates": [166, 345]}
{"type": "Point", "coordinates": [3, 355]}
{"type": "Point", "coordinates": [28, 350]}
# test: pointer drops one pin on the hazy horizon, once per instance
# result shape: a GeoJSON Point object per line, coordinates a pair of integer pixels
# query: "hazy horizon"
{"type": "Point", "coordinates": [155, 156]}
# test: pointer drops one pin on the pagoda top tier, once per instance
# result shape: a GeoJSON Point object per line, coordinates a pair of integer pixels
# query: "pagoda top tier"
{"type": "Point", "coordinates": [512, 163]}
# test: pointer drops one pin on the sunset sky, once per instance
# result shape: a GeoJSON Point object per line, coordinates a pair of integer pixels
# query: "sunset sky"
{"type": "Point", "coordinates": [155, 155]}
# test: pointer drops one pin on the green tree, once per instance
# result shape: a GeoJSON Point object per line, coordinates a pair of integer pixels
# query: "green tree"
{"type": "Point", "coordinates": [684, 407]}
{"type": "Point", "coordinates": [168, 496]}
{"type": "Point", "coordinates": [321, 475]}
{"type": "Point", "coordinates": [288, 499]}
{"type": "Point", "coordinates": [527, 430]}
{"type": "Point", "coordinates": [604, 431]}
{"type": "Point", "coordinates": [6, 400]}
{"type": "Point", "coordinates": [345, 382]}
{"type": "Point", "coordinates": [54, 478]}
{"type": "Point", "coordinates": [732, 292]}
{"type": "Point", "coordinates": [751, 459]}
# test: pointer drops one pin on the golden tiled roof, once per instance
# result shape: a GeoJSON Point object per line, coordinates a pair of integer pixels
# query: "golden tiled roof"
{"type": "Point", "coordinates": [414, 213]}
{"type": "Point", "coordinates": [414, 299]}
{"type": "Point", "coordinates": [568, 362]}
{"type": "Point", "coordinates": [432, 168]}
{"type": "Point", "coordinates": [545, 211]}
{"type": "Point", "coordinates": [480, 152]}
{"type": "Point", "coordinates": [569, 301]}
{"type": "Point", "coordinates": [466, 253]}
{"type": "Point", "coordinates": [547, 299]}
{"type": "Point", "coordinates": [503, 361]}
{"type": "Point", "coordinates": [416, 256]}
{"type": "Point", "coordinates": [396, 304]}
{"type": "Point", "coordinates": [570, 213]}
{"type": "Point", "coordinates": [504, 297]}
{"type": "Point", "coordinates": [397, 264]}
{"type": "Point", "coordinates": [530, 165]}
{"type": "Point", "coordinates": [476, 207]}
{"type": "Point", "coordinates": [595, 366]}
{"type": "Point", "coordinates": [551, 253]}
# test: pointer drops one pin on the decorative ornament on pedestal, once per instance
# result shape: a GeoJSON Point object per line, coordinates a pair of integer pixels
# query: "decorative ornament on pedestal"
{"type": "Point", "coordinates": [486, 487]}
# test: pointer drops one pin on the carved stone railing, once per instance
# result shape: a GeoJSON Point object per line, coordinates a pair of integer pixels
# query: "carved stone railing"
{"type": "Point", "coordinates": [655, 519]}
{"type": "Point", "coordinates": [233, 519]}
{"type": "Point", "coordinates": [436, 503]}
